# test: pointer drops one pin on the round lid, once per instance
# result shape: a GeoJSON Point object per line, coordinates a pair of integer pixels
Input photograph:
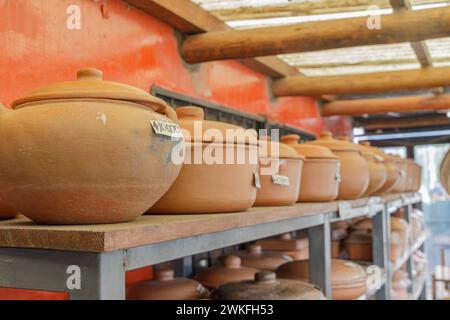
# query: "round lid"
{"type": "Point", "coordinates": [272, 149]}
{"type": "Point", "coordinates": [255, 257]}
{"type": "Point", "coordinates": [266, 286]}
{"type": "Point", "coordinates": [326, 140]}
{"type": "Point", "coordinates": [343, 272]}
{"type": "Point", "coordinates": [90, 84]}
{"type": "Point", "coordinates": [375, 150]}
{"type": "Point", "coordinates": [285, 242]}
{"type": "Point", "coordinates": [230, 271]}
{"type": "Point", "coordinates": [164, 287]}
{"type": "Point", "coordinates": [308, 150]}
{"type": "Point", "coordinates": [197, 129]}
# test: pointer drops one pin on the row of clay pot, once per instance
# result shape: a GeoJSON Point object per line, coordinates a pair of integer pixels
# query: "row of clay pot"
{"type": "Point", "coordinates": [91, 151]}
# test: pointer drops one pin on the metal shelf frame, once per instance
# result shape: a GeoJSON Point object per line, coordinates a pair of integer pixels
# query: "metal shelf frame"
{"type": "Point", "coordinates": [103, 274]}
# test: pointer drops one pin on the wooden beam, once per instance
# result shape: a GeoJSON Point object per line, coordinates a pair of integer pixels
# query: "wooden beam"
{"type": "Point", "coordinates": [187, 17]}
{"type": "Point", "coordinates": [362, 83]}
{"type": "Point", "coordinates": [382, 106]}
{"type": "Point", "coordinates": [420, 47]}
{"type": "Point", "coordinates": [314, 36]}
{"type": "Point", "coordinates": [405, 123]}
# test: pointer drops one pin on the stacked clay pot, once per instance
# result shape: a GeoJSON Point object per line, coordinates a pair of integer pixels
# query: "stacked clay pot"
{"type": "Point", "coordinates": [210, 180]}
{"type": "Point", "coordinates": [401, 185]}
{"type": "Point", "coordinates": [255, 257]}
{"type": "Point", "coordinates": [266, 286]}
{"type": "Point", "coordinates": [354, 169]}
{"type": "Point", "coordinates": [230, 270]}
{"type": "Point", "coordinates": [338, 234]}
{"type": "Point", "coordinates": [280, 174]}
{"type": "Point", "coordinates": [348, 279]}
{"type": "Point", "coordinates": [297, 249]}
{"type": "Point", "coordinates": [165, 286]}
{"type": "Point", "coordinates": [320, 176]}
{"type": "Point", "coordinates": [85, 152]}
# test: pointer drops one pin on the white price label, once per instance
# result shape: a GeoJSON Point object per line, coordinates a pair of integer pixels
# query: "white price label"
{"type": "Point", "coordinates": [166, 129]}
{"type": "Point", "coordinates": [257, 181]}
{"type": "Point", "coordinates": [280, 180]}
{"type": "Point", "coordinates": [345, 210]}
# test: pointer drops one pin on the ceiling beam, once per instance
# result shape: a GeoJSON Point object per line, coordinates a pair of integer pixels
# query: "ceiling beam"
{"type": "Point", "coordinates": [404, 123]}
{"type": "Point", "coordinates": [382, 106]}
{"type": "Point", "coordinates": [420, 47]}
{"type": "Point", "coordinates": [362, 83]}
{"type": "Point", "coordinates": [314, 36]}
{"type": "Point", "coordinates": [189, 18]}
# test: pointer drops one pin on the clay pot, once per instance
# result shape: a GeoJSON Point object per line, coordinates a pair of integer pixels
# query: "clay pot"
{"type": "Point", "coordinates": [393, 174]}
{"type": "Point", "coordinates": [231, 270]}
{"type": "Point", "coordinates": [444, 172]}
{"type": "Point", "coordinates": [212, 180]}
{"type": "Point", "coordinates": [348, 279]}
{"type": "Point", "coordinates": [280, 174]}
{"type": "Point", "coordinates": [165, 287]}
{"type": "Point", "coordinates": [338, 233]}
{"type": "Point", "coordinates": [85, 152]}
{"type": "Point", "coordinates": [377, 170]}
{"type": "Point", "coordinates": [266, 286]}
{"type": "Point", "coordinates": [402, 184]}
{"type": "Point", "coordinates": [354, 169]}
{"type": "Point", "coordinates": [255, 257]}
{"type": "Point", "coordinates": [297, 249]}
{"type": "Point", "coordinates": [320, 175]}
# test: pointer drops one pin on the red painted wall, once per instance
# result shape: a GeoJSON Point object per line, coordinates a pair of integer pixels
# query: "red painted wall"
{"type": "Point", "coordinates": [132, 47]}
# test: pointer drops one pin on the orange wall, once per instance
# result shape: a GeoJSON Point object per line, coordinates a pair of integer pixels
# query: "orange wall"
{"type": "Point", "coordinates": [129, 46]}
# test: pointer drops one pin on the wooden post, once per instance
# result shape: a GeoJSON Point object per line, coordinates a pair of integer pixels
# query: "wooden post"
{"type": "Point", "coordinates": [402, 26]}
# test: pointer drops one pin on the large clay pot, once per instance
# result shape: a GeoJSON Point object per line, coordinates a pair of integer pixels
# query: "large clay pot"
{"type": "Point", "coordinates": [165, 286]}
{"type": "Point", "coordinates": [297, 249]}
{"type": "Point", "coordinates": [266, 286]}
{"type": "Point", "coordinates": [212, 181]}
{"type": "Point", "coordinates": [393, 174]}
{"type": "Point", "coordinates": [255, 257]}
{"type": "Point", "coordinates": [348, 279]}
{"type": "Point", "coordinates": [417, 182]}
{"type": "Point", "coordinates": [354, 170]}
{"type": "Point", "coordinates": [320, 176]}
{"type": "Point", "coordinates": [85, 152]}
{"type": "Point", "coordinates": [402, 184]}
{"type": "Point", "coordinates": [280, 174]}
{"type": "Point", "coordinates": [231, 270]}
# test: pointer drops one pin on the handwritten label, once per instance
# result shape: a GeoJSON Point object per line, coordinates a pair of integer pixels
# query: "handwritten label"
{"type": "Point", "coordinates": [166, 129]}
{"type": "Point", "coordinates": [257, 181]}
{"type": "Point", "coordinates": [280, 180]}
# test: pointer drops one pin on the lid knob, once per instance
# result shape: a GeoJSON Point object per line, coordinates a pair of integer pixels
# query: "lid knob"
{"type": "Point", "coordinates": [290, 139]}
{"type": "Point", "coordinates": [255, 249]}
{"type": "Point", "coordinates": [190, 113]}
{"type": "Point", "coordinates": [90, 73]}
{"type": "Point", "coordinates": [164, 275]}
{"type": "Point", "coordinates": [286, 236]}
{"type": "Point", "coordinates": [232, 262]}
{"type": "Point", "coordinates": [265, 277]}
{"type": "Point", "coordinates": [326, 135]}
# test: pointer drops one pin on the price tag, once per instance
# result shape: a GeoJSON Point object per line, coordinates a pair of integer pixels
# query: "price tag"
{"type": "Point", "coordinates": [345, 210]}
{"type": "Point", "coordinates": [280, 180]}
{"type": "Point", "coordinates": [167, 129]}
{"type": "Point", "coordinates": [257, 181]}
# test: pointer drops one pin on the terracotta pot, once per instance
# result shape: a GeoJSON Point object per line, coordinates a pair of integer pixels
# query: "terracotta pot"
{"type": "Point", "coordinates": [348, 279]}
{"type": "Point", "coordinates": [377, 170]}
{"type": "Point", "coordinates": [359, 246]}
{"type": "Point", "coordinates": [212, 180]}
{"type": "Point", "coordinates": [166, 287]}
{"type": "Point", "coordinates": [402, 184]}
{"type": "Point", "coordinates": [320, 175]}
{"type": "Point", "coordinates": [338, 234]}
{"type": "Point", "coordinates": [280, 174]}
{"type": "Point", "coordinates": [231, 270]}
{"type": "Point", "coordinates": [85, 152]}
{"type": "Point", "coordinates": [297, 249]}
{"type": "Point", "coordinates": [354, 169]}
{"type": "Point", "coordinates": [255, 257]}
{"type": "Point", "coordinates": [266, 286]}
{"type": "Point", "coordinates": [6, 210]}
{"type": "Point", "coordinates": [444, 172]}
{"type": "Point", "coordinates": [335, 249]}
{"type": "Point", "coordinates": [393, 174]}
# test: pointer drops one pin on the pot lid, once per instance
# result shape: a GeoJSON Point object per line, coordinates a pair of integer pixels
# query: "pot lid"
{"type": "Point", "coordinates": [90, 84]}
{"type": "Point", "coordinates": [396, 224]}
{"type": "Point", "coordinates": [272, 149]}
{"type": "Point", "coordinates": [308, 150]}
{"type": "Point", "coordinates": [326, 140]}
{"type": "Point", "coordinates": [231, 270]}
{"type": "Point", "coordinates": [266, 286]}
{"type": "Point", "coordinates": [255, 257]}
{"type": "Point", "coordinates": [284, 242]}
{"type": "Point", "coordinates": [343, 273]}
{"type": "Point", "coordinates": [165, 286]}
{"type": "Point", "coordinates": [197, 129]}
